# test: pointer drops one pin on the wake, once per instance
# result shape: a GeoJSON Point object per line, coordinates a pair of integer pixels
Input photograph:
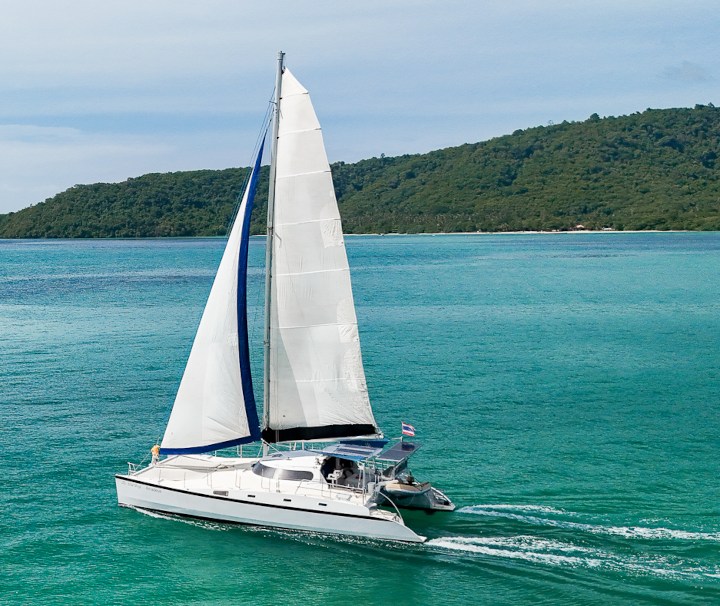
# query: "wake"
{"type": "Point", "coordinates": [520, 513]}
{"type": "Point", "coordinates": [578, 551]}
{"type": "Point", "coordinates": [206, 524]}
{"type": "Point", "coordinates": [562, 554]}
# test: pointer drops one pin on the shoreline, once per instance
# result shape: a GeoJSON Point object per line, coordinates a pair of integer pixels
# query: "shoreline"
{"type": "Point", "coordinates": [527, 233]}
{"type": "Point", "coordinates": [383, 235]}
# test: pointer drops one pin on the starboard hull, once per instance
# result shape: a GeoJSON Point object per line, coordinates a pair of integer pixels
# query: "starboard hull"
{"type": "Point", "coordinates": [269, 509]}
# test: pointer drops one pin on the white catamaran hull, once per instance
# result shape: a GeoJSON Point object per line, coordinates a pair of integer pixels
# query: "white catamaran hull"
{"type": "Point", "coordinates": [275, 510]}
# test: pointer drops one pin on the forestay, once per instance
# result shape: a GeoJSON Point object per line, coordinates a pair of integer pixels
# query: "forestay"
{"type": "Point", "coordinates": [317, 387]}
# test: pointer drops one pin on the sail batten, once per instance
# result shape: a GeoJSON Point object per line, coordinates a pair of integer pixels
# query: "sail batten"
{"type": "Point", "coordinates": [303, 130]}
{"type": "Point", "coordinates": [305, 222]}
{"type": "Point", "coordinates": [312, 172]}
{"type": "Point", "coordinates": [316, 377]}
{"type": "Point", "coordinates": [307, 273]}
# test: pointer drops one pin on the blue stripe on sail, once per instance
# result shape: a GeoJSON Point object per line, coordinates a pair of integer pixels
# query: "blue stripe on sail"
{"type": "Point", "coordinates": [209, 447]}
{"type": "Point", "coordinates": [244, 348]}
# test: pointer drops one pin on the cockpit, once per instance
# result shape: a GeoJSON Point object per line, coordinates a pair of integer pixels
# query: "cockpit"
{"type": "Point", "coordinates": [341, 472]}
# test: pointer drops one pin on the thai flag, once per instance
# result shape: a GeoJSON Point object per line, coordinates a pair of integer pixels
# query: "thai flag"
{"type": "Point", "coordinates": [408, 430]}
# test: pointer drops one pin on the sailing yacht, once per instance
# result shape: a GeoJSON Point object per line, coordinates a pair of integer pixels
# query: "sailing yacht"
{"type": "Point", "coordinates": [320, 462]}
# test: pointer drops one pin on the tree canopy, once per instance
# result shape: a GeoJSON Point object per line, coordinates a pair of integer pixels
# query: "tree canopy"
{"type": "Point", "coordinates": [656, 169]}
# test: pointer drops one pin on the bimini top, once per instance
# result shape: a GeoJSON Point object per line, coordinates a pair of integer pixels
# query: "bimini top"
{"type": "Point", "coordinates": [376, 450]}
{"type": "Point", "coordinates": [399, 451]}
{"type": "Point", "coordinates": [351, 452]}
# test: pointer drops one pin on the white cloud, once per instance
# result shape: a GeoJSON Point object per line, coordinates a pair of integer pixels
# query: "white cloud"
{"type": "Point", "coordinates": [121, 88]}
{"type": "Point", "coordinates": [38, 162]}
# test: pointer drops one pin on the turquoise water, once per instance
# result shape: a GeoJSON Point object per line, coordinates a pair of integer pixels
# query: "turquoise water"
{"type": "Point", "coordinates": [566, 389]}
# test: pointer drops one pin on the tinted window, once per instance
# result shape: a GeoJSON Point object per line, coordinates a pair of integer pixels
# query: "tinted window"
{"type": "Point", "coordinates": [291, 474]}
{"type": "Point", "coordinates": [263, 470]}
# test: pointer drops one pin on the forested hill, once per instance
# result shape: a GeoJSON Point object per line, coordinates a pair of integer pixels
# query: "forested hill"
{"type": "Point", "coordinates": [657, 169]}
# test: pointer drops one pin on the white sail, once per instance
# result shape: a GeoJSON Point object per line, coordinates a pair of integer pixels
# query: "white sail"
{"type": "Point", "coordinates": [317, 385]}
{"type": "Point", "coordinates": [214, 406]}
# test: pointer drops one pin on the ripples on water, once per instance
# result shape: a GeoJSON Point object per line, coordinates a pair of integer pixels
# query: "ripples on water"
{"type": "Point", "coordinates": [565, 389]}
{"type": "Point", "coordinates": [641, 553]}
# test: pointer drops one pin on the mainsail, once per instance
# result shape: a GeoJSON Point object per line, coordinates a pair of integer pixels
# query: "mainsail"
{"type": "Point", "coordinates": [215, 406]}
{"type": "Point", "coordinates": [317, 387]}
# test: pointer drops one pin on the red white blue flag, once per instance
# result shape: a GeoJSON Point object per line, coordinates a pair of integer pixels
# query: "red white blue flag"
{"type": "Point", "coordinates": [408, 430]}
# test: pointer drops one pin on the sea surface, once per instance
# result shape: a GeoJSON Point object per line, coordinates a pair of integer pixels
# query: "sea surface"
{"type": "Point", "coordinates": [565, 387]}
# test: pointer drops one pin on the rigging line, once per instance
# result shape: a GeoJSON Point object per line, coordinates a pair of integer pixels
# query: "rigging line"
{"type": "Point", "coordinates": [258, 142]}
{"type": "Point", "coordinates": [254, 325]}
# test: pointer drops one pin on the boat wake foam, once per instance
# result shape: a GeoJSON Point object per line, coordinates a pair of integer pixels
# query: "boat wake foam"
{"type": "Point", "coordinates": [563, 554]}
{"type": "Point", "coordinates": [206, 524]}
{"type": "Point", "coordinates": [512, 507]}
{"type": "Point", "coordinates": [522, 547]}
{"type": "Point", "coordinates": [520, 513]}
{"type": "Point", "coordinates": [308, 537]}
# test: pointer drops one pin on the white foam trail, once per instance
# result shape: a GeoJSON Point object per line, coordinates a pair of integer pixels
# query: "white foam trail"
{"type": "Point", "coordinates": [510, 506]}
{"type": "Point", "coordinates": [191, 521]}
{"type": "Point", "coordinates": [526, 542]}
{"type": "Point", "coordinates": [468, 544]}
{"type": "Point", "coordinates": [557, 553]}
{"type": "Point", "coordinates": [630, 532]}
{"type": "Point", "coordinates": [316, 539]}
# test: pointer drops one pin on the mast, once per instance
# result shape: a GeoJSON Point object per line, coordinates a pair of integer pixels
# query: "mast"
{"type": "Point", "coordinates": [269, 239]}
{"type": "Point", "coordinates": [317, 389]}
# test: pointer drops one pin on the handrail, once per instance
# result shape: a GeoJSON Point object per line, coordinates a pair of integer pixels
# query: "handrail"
{"type": "Point", "coordinates": [389, 500]}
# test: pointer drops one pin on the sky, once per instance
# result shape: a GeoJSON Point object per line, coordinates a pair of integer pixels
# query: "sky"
{"type": "Point", "coordinates": [99, 91]}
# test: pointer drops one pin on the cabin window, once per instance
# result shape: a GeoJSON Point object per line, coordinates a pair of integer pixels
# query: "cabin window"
{"type": "Point", "coordinates": [263, 470]}
{"type": "Point", "coordinates": [281, 474]}
{"type": "Point", "coordinates": [292, 474]}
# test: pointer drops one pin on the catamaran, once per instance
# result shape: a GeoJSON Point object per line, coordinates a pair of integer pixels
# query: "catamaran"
{"type": "Point", "coordinates": [321, 463]}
